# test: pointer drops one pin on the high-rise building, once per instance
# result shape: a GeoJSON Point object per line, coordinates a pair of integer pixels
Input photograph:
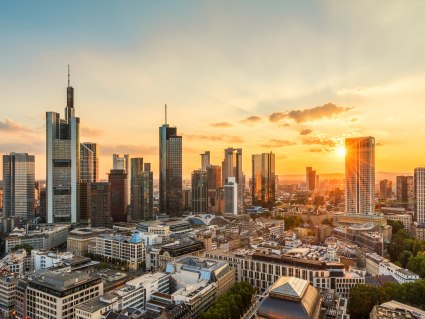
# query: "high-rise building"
{"type": "Point", "coordinates": [310, 179]}
{"type": "Point", "coordinates": [214, 182]}
{"type": "Point", "coordinates": [263, 180]}
{"type": "Point", "coordinates": [85, 204]}
{"type": "Point", "coordinates": [419, 189]}
{"type": "Point", "coordinates": [101, 205]}
{"type": "Point", "coordinates": [231, 196]}
{"type": "Point", "coordinates": [142, 196]}
{"type": "Point", "coordinates": [187, 199]}
{"type": "Point", "coordinates": [205, 160]}
{"type": "Point", "coordinates": [170, 170]}
{"type": "Point", "coordinates": [405, 191]}
{"type": "Point", "coordinates": [89, 162]}
{"type": "Point", "coordinates": [385, 189]}
{"type": "Point", "coordinates": [360, 175]}
{"type": "Point", "coordinates": [18, 185]}
{"type": "Point", "coordinates": [136, 170]}
{"type": "Point", "coordinates": [199, 191]}
{"type": "Point", "coordinates": [118, 181]}
{"type": "Point", "coordinates": [63, 164]}
{"type": "Point", "coordinates": [232, 167]}
{"type": "Point", "coordinates": [124, 163]}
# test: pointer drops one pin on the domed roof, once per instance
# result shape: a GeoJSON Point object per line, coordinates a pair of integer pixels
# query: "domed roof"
{"type": "Point", "coordinates": [290, 298]}
{"type": "Point", "coordinates": [135, 238]}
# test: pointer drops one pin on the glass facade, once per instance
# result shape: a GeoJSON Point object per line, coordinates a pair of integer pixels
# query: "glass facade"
{"type": "Point", "coordinates": [263, 180]}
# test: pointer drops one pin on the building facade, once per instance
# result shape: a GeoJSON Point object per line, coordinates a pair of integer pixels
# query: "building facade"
{"type": "Point", "coordinates": [263, 180]}
{"type": "Point", "coordinates": [419, 189]}
{"type": "Point", "coordinates": [89, 162]}
{"type": "Point", "coordinates": [310, 179]}
{"type": "Point", "coordinates": [18, 185]}
{"type": "Point", "coordinates": [231, 190]}
{"type": "Point", "coordinates": [142, 190]}
{"type": "Point", "coordinates": [117, 179]}
{"type": "Point", "coordinates": [232, 167]}
{"type": "Point", "coordinates": [101, 215]}
{"type": "Point", "coordinates": [199, 191]}
{"type": "Point", "coordinates": [360, 175]}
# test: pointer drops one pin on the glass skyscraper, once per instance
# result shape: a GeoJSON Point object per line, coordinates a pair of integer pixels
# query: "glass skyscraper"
{"type": "Point", "coordinates": [232, 167]}
{"type": "Point", "coordinates": [263, 180]}
{"type": "Point", "coordinates": [89, 162]}
{"type": "Point", "coordinates": [18, 185]}
{"type": "Point", "coordinates": [63, 164]}
{"type": "Point", "coordinates": [170, 171]}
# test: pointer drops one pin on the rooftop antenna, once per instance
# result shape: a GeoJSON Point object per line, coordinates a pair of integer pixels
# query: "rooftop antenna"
{"type": "Point", "coordinates": [165, 114]}
{"type": "Point", "coordinates": [69, 81]}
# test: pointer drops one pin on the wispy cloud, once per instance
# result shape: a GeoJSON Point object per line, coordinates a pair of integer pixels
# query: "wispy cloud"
{"type": "Point", "coordinates": [277, 143]}
{"type": "Point", "coordinates": [88, 131]}
{"type": "Point", "coordinates": [328, 110]}
{"type": "Point", "coordinates": [34, 148]}
{"type": "Point", "coordinates": [225, 138]}
{"type": "Point", "coordinates": [305, 131]}
{"type": "Point", "coordinates": [251, 120]}
{"type": "Point", "coordinates": [221, 124]}
{"type": "Point", "coordinates": [11, 126]}
{"type": "Point", "coordinates": [330, 142]}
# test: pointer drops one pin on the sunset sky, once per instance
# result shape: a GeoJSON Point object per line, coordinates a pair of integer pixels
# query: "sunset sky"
{"type": "Point", "coordinates": [292, 77]}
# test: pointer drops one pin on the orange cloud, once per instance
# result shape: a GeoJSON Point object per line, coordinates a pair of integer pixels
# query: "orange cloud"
{"type": "Point", "coordinates": [221, 124]}
{"type": "Point", "coordinates": [250, 120]}
{"type": "Point", "coordinates": [11, 126]}
{"type": "Point", "coordinates": [328, 110]}
{"type": "Point", "coordinates": [305, 131]}
{"type": "Point", "coordinates": [278, 143]}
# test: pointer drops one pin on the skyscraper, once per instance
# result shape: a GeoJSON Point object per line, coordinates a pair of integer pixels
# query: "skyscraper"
{"type": "Point", "coordinates": [89, 162]}
{"type": "Point", "coordinates": [101, 205]}
{"type": "Point", "coordinates": [142, 190]}
{"type": "Point", "coordinates": [214, 182]}
{"type": "Point", "coordinates": [263, 180]}
{"type": "Point", "coordinates": [199, 191]}
{"type": "Point", "coordinates": [231, 196]}
{"type": "Point", "coordinates": [205, 160]}
{"type": "Point", "coordinates": [118, 180]}
{"type": "Point", "coordinates": [124, 163]}
{"type": "Point", "coordinates": [360, 175]}
{"type": "Point", "coordinates": [385, 189]}
{"type": "Point", "coordinates": [232, 167]}
{"type": "Point", "coordinates": [63, 163]}
{"type": "Point", "coordinates": [18, 185]}
{"type": "Point", "coordinates": [419, 189]}
{"type": "Point", "coordinates": [310, 179]}
{"type": "Point", "coordinates": [405, 191]}
{"type": "Point", "coordinates": [170, 170]}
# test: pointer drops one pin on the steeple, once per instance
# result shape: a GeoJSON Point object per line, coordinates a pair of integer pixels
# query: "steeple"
{"type": "Point", "coordinates": [69, 91]}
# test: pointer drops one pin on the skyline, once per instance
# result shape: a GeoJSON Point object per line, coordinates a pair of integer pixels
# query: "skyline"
{"type": "Point", "coordinates": [298, 91]}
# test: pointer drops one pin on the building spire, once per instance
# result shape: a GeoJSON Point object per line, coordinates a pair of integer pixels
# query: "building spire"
{"type": "Point", "coordinates": [69, 77]}
{"type": "Point", "coordinates": [165, 114]}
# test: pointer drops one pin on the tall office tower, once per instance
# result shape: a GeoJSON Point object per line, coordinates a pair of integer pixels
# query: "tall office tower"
{"type": "Point", "coordinates": [214, 182]}
{"type": "Point", "coordinates": [405, 191]}
{"type": "Point", "coordinates": [142, 197]}
{"type": "Point", "coordinates": [317, 183]}
{"type": "Point", "coordinates": [263, 180]}
{"type": "Point", "coordinates": [85, 204]}
{"type": "Point", "coordinates": [385, 189]}
{"type": "Point", "coordinates": [63, 163]}
{"type": "Point", "coordinates": [187, 199]}
{"type": "Point", "coordinates": [124, 163]}
{"type": "Point", "coordinates": [118, 180]}
{"type": "Point", "coordinates": [170, 170]}
{"type": "Point", "coordinates": [231, 196]}
{"type": "Point", "coordinates": [18, 185]}
{"type": "Point", "coordinates": [101, 205]}
{"type": "Point", "coordinates": [419, 189]}
{"type": "Point", "coordinates": [360, 175]}
{"type": "Point", "coordinates": [89, 162]}
{"type": "Point", "coordinates": [310, 179]}
{"type": "Point", "coordinates": [136, 170]}
{"type": "Point", "coordinates": [205, 160]}
{"type": "Point", "coordinates": [199, 191]}
{"type": "Point", "coordinates": [232, 167]}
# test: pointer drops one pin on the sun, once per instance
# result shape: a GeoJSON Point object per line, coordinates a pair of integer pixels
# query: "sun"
{"type": "Point", "coordinates": [340, 151]}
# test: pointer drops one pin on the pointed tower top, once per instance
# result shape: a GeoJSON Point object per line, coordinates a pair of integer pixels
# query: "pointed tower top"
{"type": "Point", "coordinates": [69, 77]}
{"type": "Point", "coordinates": [165, 114]}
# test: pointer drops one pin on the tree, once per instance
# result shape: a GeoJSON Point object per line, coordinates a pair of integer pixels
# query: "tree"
{"type": "Point", "coordinates": [396, 225]}
{"type": "Point", "coordinates": [327, 221]}
{"type": "Point", "coordinates": [27, 247]}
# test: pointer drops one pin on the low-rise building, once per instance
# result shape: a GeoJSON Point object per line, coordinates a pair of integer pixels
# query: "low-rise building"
{"type": "Point", "coordinates": [39, 237]}
{"type": "Point", "coordinates": [7, 294]}
{"type": "Point", "coordinates": [395, 309]}
{"type": "Point", "coordinates": [401, 275]}
{"type": "Point", "coordinates": [372, 263]}
{"type": "Point", "coordinates": [79, 239]}
{"type": "Point", "coordinates": [125, 249]}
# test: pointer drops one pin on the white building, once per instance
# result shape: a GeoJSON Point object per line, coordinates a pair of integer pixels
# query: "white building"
{"type": "Point", "coordinates": [401, 275]}
{"type": "Point", "coordinates": [130, 250]}
{"type": "Point", "coordinates": [231, 196]}
{"type": "Point", "coordinates": [46, 259]}
{"type": "Point", "coordinates": [406, 219]}
{"type": "Point", "coordinates": [43, 237]}
{"type": "Point", "coordinates": [54, 295]}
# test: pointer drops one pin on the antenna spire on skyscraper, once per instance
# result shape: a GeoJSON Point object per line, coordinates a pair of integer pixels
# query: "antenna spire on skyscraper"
{"type": "Point", "coordinates": [166, 114]}
{"type": "Point", "coordinates": [69, 77]}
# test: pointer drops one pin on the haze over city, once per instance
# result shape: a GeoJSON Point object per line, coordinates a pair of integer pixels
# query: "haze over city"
{"type": "Point", "coordinates": [295, 79]}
